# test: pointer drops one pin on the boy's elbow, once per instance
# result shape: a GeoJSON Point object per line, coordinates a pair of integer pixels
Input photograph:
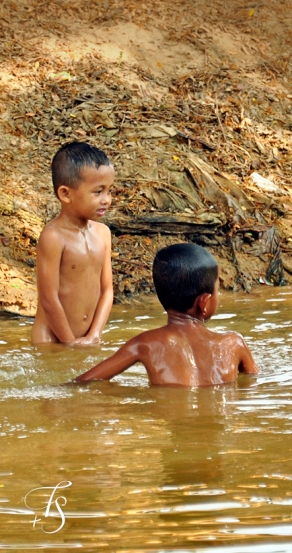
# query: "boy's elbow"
{"type": "Point", "coordinates": [108, 291]}
{"type": "Point", "coordinates": [49, 302]}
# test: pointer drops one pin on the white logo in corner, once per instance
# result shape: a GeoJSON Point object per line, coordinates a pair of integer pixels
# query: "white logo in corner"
{"type": "Point", "coordinates": [54, 501]}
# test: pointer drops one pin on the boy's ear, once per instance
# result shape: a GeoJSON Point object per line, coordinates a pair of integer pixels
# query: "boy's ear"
{"type": "Point", "coordinates": [203, 301]}
{"type": "Point", "coordinates": [64, 194]}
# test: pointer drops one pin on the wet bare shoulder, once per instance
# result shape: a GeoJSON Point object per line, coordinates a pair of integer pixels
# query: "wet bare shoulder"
{"type": "Point", "coordinates": [148, 337]}
{"type": "Point", "coordinates": [155, 340]}
{"type": "Point", "coordinates": [233, 337]}
{"type": "Point", "coordinates": [235, 342]}
{"type": "Point", "coordinates": [101, 229]}
{"type": "Point", "coordinates": [51, 232]}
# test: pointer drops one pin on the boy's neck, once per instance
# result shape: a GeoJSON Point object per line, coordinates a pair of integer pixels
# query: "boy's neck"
{"type": "Point", "coordinates": [72, 223]}
{"type": "Point", "coordinates": [177, 317]}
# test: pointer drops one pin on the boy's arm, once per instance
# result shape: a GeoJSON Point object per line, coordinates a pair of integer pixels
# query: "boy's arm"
{"type": "Point", "coordinates": [247, 363]}
{"type": "Point", "coordinates": [49, 253]}
{"type": "Point", "coordinates": [106, 295]}
{"type": "Point", "coordinates": [126, 356]}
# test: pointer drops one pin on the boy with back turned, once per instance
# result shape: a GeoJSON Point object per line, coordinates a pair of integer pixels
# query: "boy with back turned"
{"type": "Point", "coordinates": [183, 352]}
{"type": "Point", "coordinates": [74, 271]}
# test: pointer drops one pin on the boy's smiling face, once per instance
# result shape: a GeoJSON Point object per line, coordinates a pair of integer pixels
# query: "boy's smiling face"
{"type": "Point", "coordinates": [91, 199]}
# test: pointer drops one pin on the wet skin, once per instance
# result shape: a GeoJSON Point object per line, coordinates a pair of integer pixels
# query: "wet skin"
{"type": "Point", "coordinates": [182, 353]}
{"type": "Point", "coordinates": [74, 264]}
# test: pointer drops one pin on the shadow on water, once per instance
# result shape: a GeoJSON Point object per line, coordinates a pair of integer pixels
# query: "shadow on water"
{"type": "Point", "coordinates": [123, 466]}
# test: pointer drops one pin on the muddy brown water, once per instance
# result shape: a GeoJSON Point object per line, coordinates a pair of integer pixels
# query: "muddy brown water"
{"type": "Point", "coordinates": [122, 466]}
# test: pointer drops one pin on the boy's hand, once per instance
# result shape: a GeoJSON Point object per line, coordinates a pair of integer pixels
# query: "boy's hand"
{"type": "Point", "coordinates": [85, 341]}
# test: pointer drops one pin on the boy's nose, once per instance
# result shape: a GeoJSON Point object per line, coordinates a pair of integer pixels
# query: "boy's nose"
{"type": "Point", "coordinates": [106, 200]}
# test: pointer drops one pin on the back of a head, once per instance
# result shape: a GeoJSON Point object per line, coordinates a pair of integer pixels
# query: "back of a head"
{"type": "Point", "coordinates": [181, 273]}
{"type": "Point", "coordinates": [69, 161]}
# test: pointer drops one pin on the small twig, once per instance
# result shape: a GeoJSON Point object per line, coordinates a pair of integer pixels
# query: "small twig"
{"type": "Point", "coordinates": [219, 120]}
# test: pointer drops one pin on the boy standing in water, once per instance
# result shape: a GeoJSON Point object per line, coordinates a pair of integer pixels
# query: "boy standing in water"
{"type": "Point", "coordinates": [183, 352]}
{"type": "Point", "coordinates": [74, 271]}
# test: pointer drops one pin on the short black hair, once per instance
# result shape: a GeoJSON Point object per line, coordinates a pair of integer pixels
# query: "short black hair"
{"type": "Point", "coordinates": [71, 158]}
{"type": "Point", "coordinates": [181, 273]}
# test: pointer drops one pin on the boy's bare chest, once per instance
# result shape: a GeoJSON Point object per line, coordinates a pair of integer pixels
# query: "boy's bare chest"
{"type": "Point", "coordinates": [83, 251]}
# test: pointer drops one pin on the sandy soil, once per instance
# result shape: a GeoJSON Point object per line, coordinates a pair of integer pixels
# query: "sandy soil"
{"type": "Point", "coordinates": [120, 61]}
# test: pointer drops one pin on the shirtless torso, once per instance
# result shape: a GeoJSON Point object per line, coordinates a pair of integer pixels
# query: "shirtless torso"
{"type": "Point", "coordinates": [182, 353]}
{"type": "Point", "coordinates": [73, 267]}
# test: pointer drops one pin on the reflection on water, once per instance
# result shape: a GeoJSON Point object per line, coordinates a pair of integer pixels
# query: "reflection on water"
{"type": "Point", "coordinates": [121, 466]}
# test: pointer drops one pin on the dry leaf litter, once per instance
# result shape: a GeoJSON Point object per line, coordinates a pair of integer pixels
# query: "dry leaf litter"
{"type": "Point", "coordinates": [193, 106]}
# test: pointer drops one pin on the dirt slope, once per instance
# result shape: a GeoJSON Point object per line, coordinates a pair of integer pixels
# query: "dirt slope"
{"type": "Point", "coordinates": [153, 84]}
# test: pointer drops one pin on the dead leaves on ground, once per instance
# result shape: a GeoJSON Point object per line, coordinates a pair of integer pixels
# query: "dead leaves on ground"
{"type": "Point", "coordinates": [183, 147]}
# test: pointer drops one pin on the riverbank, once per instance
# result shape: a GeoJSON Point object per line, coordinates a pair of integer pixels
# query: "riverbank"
{"type": "Point", "coordinates": [192, 104]}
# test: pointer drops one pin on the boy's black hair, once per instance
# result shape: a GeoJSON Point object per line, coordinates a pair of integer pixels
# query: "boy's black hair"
{"type": "Point", "coordinates": [71, 158]}
{"type": "Point", "coordinates": [181, 273]}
